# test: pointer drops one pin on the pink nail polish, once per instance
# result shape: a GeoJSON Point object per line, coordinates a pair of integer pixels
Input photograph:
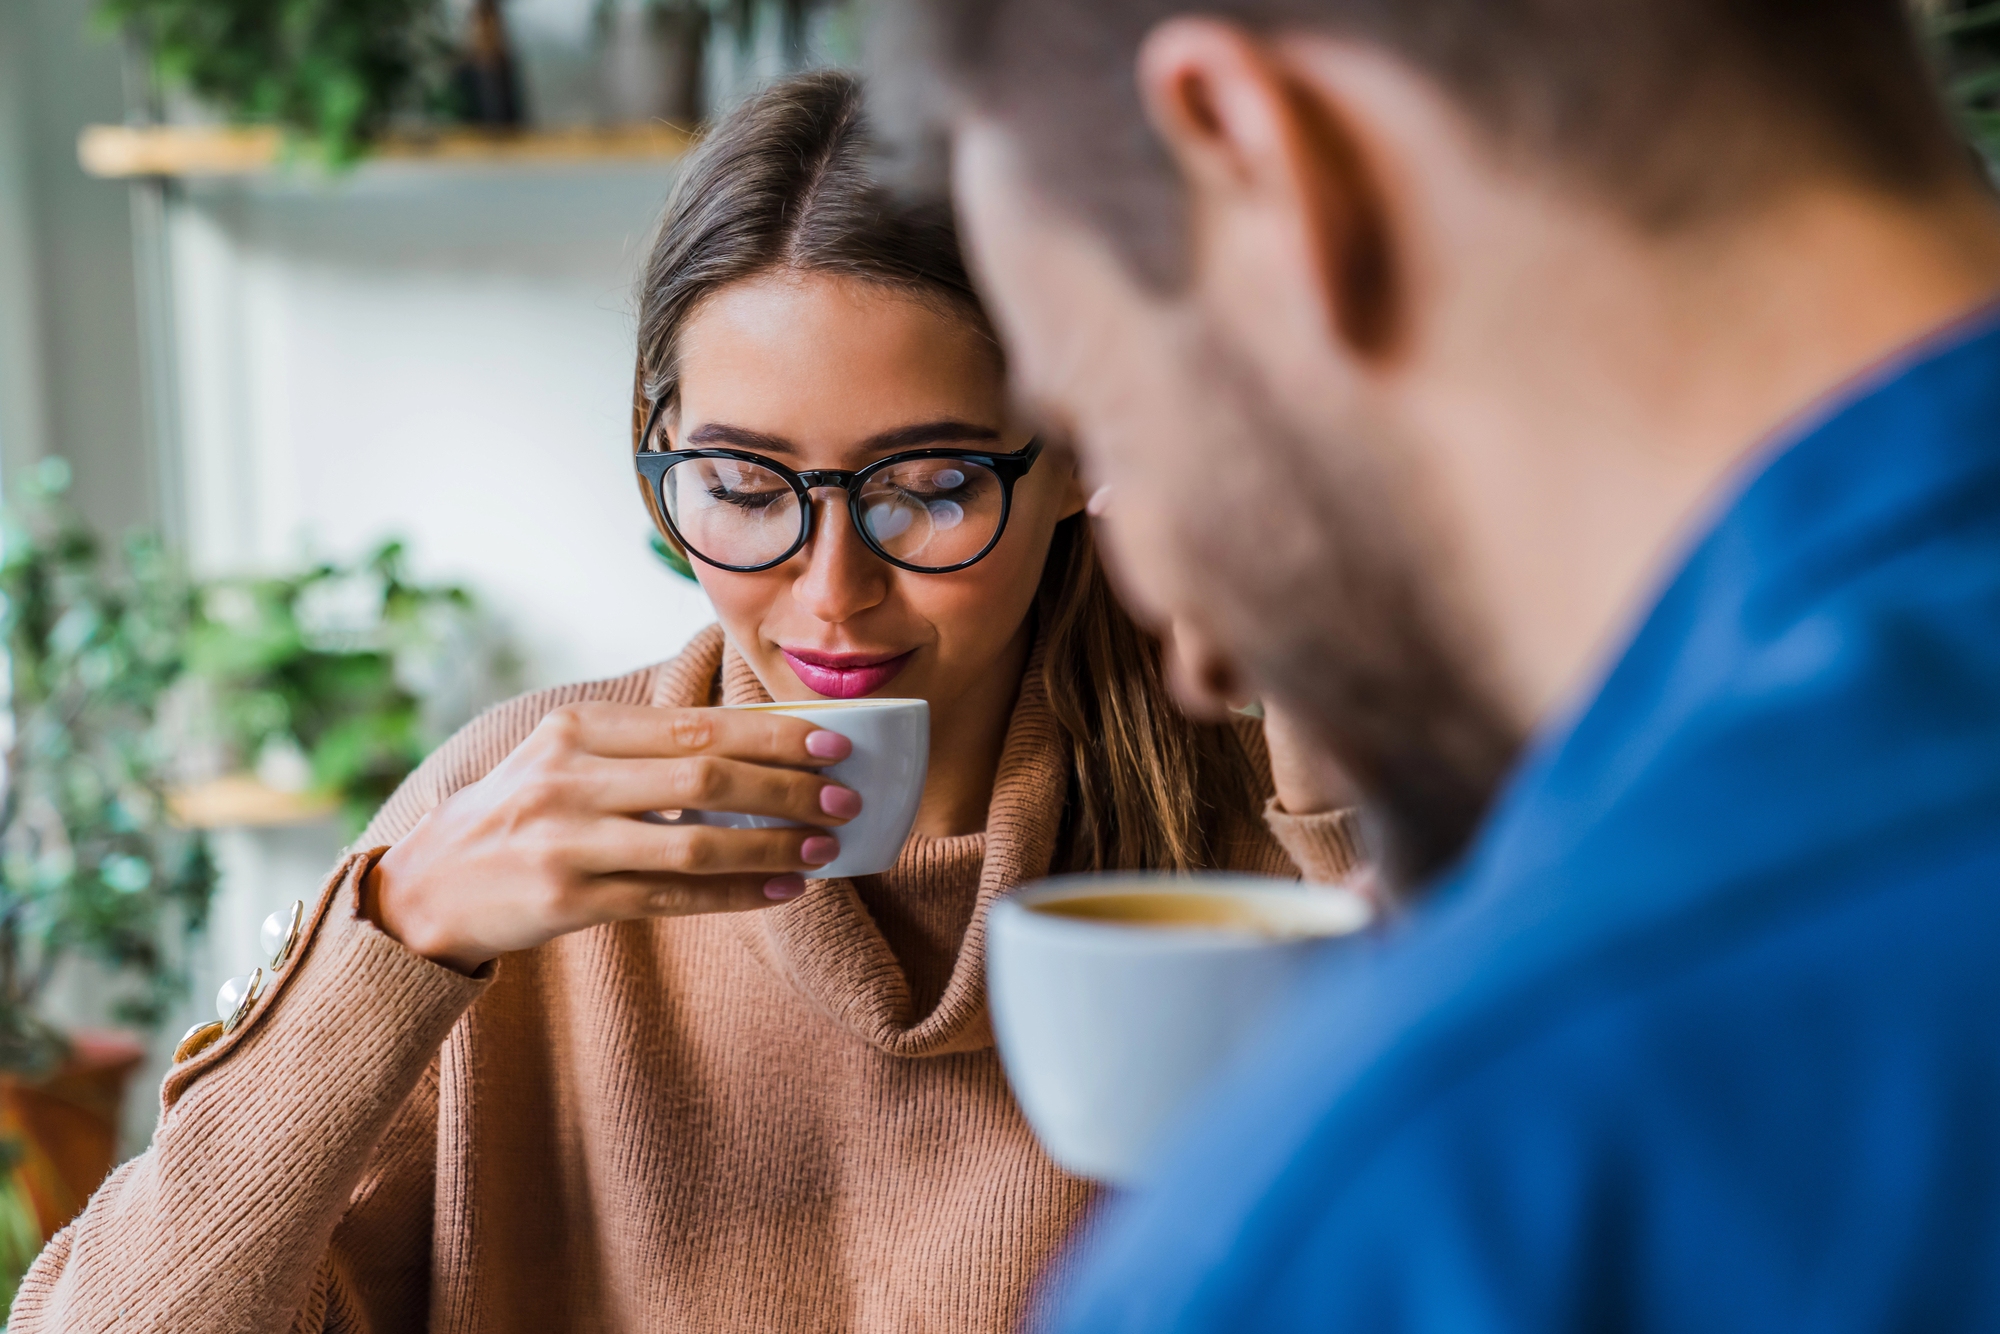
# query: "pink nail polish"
{"type": "Point", "coordinates": [783, 887]}
{"type": "Point", "coordinates": [827, 745]}
{"type": "Point", "coordinates": [819, 850]}
{"type": "Point", "coordinates": [842, 803]}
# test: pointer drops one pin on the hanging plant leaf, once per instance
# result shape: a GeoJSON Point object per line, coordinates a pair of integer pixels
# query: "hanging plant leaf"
{"type": "Point", "coordinates": [671, 557]}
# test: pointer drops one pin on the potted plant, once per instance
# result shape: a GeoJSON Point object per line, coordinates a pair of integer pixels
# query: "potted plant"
{"type": "Point", "coordinates": [336, 681]}
{"type": "Point", "coordinates": [330, 683]}
{"type": "Point", "coordinates": [332, 73]}
{"type": "Point", "coordinates": [89, 866]}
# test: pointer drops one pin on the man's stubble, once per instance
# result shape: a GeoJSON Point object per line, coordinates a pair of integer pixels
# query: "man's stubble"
{"type": "Point", "coordinates": [1300, 553]}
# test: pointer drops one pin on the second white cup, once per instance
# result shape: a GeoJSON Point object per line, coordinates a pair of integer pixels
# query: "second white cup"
{"type": "Point", "coordinates": [892, 754]}
{"type": "Point", "coordinates": [1117, 998]}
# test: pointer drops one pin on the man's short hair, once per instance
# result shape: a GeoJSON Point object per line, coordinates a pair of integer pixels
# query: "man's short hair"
{"type": "Point", "coordinates": [1670, 110]}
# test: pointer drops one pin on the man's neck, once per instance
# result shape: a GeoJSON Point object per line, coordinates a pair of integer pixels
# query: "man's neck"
{"type": "Point", "coordinates": [1578, 458]}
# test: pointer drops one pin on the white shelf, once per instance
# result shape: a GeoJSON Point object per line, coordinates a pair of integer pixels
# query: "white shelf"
{"type": "Point", "coordinates": [240, 801]}
{"type": "Point", "coordinates": [122, 152]}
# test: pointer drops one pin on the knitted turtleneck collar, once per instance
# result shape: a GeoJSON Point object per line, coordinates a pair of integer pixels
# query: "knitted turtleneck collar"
{"type": "Point", "coordinates": [826, 943]}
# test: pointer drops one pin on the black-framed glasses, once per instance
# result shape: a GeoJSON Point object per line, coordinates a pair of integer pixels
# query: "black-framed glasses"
{"type": "Point", "coordinates": [930, 511]}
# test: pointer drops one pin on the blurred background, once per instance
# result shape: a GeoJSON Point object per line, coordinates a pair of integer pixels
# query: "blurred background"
{"type": "Point", "coordinates": [316, 352]}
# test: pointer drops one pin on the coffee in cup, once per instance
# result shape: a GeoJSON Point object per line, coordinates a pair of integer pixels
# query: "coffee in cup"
{"type": "Point", "coordinates": [1115, 999]}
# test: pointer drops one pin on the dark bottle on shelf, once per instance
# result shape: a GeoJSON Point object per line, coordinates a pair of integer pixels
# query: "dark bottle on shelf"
{"type": "Point", "coordinates": [486, 83]}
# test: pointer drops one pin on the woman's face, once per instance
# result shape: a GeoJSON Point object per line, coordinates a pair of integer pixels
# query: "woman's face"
{"type": "Point", "coordinates": [809, 370]}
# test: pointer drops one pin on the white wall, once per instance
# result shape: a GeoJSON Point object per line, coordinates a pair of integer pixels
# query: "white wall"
{"type": "Point", "coordinates": [70, 379]}
{"type": "Point", "coordinates": [444, 354]}
{"type": "Point", "coordinates": [21, 420]}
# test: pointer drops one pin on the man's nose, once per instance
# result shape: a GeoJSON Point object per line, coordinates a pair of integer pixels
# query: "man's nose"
{"type": "Point", "coordinates": [842, 578]}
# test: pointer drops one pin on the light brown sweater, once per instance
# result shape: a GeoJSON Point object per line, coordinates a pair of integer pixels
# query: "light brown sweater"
{"type": "Point", "coordinates": [758, 1121]}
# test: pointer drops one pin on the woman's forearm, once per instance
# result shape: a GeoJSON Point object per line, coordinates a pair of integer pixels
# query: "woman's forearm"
{"type": "Point", "coordinates": [225, 1222]}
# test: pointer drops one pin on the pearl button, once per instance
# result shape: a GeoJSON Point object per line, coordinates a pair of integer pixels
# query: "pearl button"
{"type": "Point", "coordinates": [279, 935]}
{"type": "Point", "coordinates": [231, 997]}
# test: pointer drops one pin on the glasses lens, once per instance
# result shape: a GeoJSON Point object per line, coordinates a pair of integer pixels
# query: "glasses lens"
{"type": "Point", "coordinates": [932, 513]}
{"type": "Point", "coordinates": [730, 511]}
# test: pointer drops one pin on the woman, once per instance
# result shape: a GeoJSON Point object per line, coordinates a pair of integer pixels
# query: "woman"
{"type": "Point", "coordinates": [659, 1111]}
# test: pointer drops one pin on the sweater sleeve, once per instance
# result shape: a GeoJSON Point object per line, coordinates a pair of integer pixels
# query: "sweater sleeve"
{"type": "Point", "coordinates": [307, 1124]}
{"type": "Point", "coordinates": [1326, 847]}
{"type": "Point", "coordinates": [290, 1183]}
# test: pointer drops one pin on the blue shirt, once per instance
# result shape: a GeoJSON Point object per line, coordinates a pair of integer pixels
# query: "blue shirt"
{"type": "Point", "coordinates": [1704, 1033]}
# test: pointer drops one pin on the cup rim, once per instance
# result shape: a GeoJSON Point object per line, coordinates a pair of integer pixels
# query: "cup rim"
{"type": "Point", "coordinates": [1016, 910]}
{"type": "Point", "coordinates": [778, 705]}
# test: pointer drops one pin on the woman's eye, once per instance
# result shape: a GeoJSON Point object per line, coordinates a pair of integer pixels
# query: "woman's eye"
{"type": "Point", "coordinates": [747, 500]}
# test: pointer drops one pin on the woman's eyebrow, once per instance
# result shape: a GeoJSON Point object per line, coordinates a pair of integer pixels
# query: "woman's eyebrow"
{"type": "Point", "coordinates": [721, 434]}
{"type": "Point", "coordinates": [926, 433]}
{"type": "Point", "coordinates": [713, 434]}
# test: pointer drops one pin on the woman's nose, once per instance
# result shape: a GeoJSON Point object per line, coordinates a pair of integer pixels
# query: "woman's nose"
{"type": "Point", "coordinates": [842, 578]}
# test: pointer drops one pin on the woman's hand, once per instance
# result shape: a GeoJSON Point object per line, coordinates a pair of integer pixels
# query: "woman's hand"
{"type": "Point", "coordinates": [555, 838]}
{"type": "Point", "coordinates": [1307, 779]}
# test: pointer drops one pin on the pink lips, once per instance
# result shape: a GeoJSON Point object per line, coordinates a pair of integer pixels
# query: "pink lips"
{"type": "Point", "coordinates": [845, 675]}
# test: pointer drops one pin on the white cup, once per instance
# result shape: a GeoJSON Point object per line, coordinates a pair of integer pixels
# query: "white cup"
{"type": "Point", "coordinates": [1109, 1026]}
{"type": "Point", "coordinates": [892, 753]}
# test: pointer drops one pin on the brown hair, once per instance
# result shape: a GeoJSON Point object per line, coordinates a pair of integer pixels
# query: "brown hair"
{"type": "Point", "coordinates": [785, 182]}
{"type": "Point", "coordinates": [1669, 109]}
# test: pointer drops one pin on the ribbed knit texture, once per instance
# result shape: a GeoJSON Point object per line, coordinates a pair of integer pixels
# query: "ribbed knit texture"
{"type": "Point", "coordinates": [784, 1120]}
{"type": "Point", "coordinates": [922, 906]}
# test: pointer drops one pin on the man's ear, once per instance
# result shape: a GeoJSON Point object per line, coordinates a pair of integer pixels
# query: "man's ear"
{"type": "Point", "coordinates": [1249, 131]}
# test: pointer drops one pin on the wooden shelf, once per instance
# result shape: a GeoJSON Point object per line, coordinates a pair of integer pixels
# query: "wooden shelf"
{"type": "Point", "coordinates": [126, 151]}
{"type": "Point", "coordinates": [241, 802]}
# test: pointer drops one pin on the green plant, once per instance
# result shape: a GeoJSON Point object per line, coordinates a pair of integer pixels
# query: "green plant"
{"type": "Point", "coordinates": [670, 556]}
{"type": "Point", "coordinates": [315, 666]}
{"type": "Point", "coordinates": [120, 669]}
{"type": "Point", "coordinates": [88, 863]}
{"type": "Point", "coordinates": [20, 1229]}
{"type": "Point", "coordinates": [1966, 41]}
{"type": "Point", "coordinates": [331, 72]}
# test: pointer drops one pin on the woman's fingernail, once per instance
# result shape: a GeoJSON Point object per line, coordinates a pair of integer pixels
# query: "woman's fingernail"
{"type": "Point", "coordinates": [842, 803]}
{"type": "Point", "coordinates": [784, 887]}
{"type": "Point", "coordinates": [827, 745]}
{"type": "Point", "coordinates": [819, 850]}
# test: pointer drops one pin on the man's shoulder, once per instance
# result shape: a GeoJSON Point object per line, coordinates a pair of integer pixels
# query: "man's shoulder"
{"type": "Point", "coordinates": [1789, 1088]}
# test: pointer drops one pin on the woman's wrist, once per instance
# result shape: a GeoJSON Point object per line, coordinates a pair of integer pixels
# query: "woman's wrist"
{"type": "Point", "coordinates": [374, 895]}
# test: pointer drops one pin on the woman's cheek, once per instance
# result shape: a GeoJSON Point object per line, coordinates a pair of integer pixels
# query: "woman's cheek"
{"type": "Point", "coordinates": [741, 603]}
{"type": "Point", "coordinates": [977, 611]}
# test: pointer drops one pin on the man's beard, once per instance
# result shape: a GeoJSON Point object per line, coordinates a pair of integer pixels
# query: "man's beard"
{"type": "Point", "coordinates": [1305, 568]}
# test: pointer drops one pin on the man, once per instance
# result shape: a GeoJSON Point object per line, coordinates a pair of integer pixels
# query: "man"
{"type": "Point", "coordinates": [1585, 417]}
